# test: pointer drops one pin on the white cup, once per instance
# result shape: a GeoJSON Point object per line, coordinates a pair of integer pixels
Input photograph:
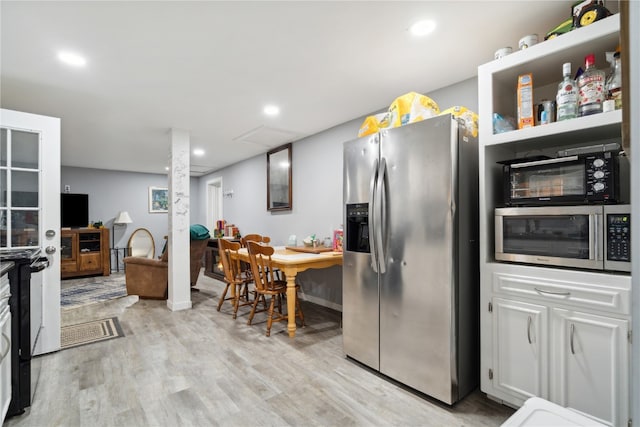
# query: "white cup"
{"type": "Point", "coordinates": [528, 41]}
{"type": "Point", "coordinates": [502, 52]}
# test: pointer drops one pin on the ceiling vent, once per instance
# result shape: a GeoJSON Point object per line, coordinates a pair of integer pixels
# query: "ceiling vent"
{"type": "Point", "coordinates": [198, 170]}
{"type": "Point", "coordinates": [268, 137]}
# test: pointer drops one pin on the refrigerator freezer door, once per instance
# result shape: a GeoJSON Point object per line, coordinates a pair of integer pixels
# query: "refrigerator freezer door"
{"type": "Point", "coordinates": [417, 337]}
{"type": "Point", "coordinates": [360, 302]}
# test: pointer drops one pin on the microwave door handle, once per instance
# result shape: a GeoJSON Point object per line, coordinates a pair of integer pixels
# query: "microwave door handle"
{"type": "Point", "coordinates": [372, 217]}
{"type": "Point", "coordinates": [544, 162]}
{"type": "Point", "coordinates": [499, 234]}
{"type": "Point", "coordinates": [596, 243]}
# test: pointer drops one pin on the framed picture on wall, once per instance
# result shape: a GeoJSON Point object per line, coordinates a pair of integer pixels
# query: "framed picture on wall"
{"type": "Point", "coordinates": [158, 200]}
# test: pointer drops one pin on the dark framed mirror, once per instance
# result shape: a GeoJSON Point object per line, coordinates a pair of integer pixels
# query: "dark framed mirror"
{"type": "Point", "coordinates": [279, 194]}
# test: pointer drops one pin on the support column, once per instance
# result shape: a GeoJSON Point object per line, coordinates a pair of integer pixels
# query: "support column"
{"type": "Point", "coordinates": [179, 260]}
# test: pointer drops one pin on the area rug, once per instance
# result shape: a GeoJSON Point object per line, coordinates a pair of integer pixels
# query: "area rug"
{"type": "Point", "coordinates": [78, 292]}
{"type": "Point", "coordinates": [90, 332]}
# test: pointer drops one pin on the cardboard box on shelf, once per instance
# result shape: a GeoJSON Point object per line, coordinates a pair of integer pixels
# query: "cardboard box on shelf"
{"type": "Point", "coordinates": [525, 101]}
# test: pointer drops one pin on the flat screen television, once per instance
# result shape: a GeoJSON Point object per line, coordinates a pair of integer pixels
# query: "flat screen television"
{"type": "Point", "coordinates": [74, 210]}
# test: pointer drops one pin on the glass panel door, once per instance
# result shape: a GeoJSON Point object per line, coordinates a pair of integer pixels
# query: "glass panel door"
{"type": "Point", "coordinates": [19, 188]}
{"type": "Point", "coordinates": [66, 248]}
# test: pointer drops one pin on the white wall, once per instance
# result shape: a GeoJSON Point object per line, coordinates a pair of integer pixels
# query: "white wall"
{"type": "Point", "coordinates": [317, 192]}
{"type": "Point", "coordinates": [113, 191]}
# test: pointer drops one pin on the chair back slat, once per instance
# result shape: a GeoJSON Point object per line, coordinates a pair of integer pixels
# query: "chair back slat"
{"type": "Point", "coordinates": [230, 265]}
{"type": "Point", "coordinates": [254, 238]}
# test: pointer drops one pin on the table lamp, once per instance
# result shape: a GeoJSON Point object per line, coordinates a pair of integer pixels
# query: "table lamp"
{"type": "Point", "coordinates": [122, 219]}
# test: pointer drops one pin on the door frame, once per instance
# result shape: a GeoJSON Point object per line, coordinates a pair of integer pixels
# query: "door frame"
{"type": "Point", "coordinates": [214, 202]}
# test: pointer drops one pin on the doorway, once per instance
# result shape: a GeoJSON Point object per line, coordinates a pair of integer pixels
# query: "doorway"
{"type": "Point", "coordinates": [214, 203]}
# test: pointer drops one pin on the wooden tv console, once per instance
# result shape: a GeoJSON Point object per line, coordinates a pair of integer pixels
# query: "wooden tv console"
{"type": "Point", "coordinates": [84, 252]}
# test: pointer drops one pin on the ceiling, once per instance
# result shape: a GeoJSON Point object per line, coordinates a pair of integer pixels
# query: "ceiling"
{"type": "Point", "coordinates": [210, 67]}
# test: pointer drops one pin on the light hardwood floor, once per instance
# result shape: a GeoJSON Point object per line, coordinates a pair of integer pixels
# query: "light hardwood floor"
{"type": "Point", "coordinates": [200, 367]}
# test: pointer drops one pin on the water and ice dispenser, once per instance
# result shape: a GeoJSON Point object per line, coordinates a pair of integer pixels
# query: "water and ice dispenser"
{"type": "Point", "coordinates": [357, 232]}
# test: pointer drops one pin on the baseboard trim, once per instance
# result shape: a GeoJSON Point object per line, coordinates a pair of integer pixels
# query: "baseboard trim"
{"type": "Point", "coordinates": [177, 306]}
{"type": "Point", "coordinates": [321, 301]}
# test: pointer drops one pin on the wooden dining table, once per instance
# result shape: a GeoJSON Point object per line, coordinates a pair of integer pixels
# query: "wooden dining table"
{"type": "Point", "coordinates": [292, 262]}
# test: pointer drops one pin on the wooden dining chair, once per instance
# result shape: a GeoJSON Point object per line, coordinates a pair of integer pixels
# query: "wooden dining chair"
{"type": "Point", "coordinates": [267, 285]}
{"type": "Point", "coordinates": [254, 238]}
{"type": "Point", "coordinates": [261, 239]}
{"type": "Point", "coordinates": [234, 277]}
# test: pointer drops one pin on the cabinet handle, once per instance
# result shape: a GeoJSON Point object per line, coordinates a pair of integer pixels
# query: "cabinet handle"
{"type": "Point", "coordinates": [6, 338]}
{"type": "Point", "coordinates": [529, 329]}
{"type": "Point", "coordinates": [541, 291]}
{"type": "Point", "coordinates": [572, 330]}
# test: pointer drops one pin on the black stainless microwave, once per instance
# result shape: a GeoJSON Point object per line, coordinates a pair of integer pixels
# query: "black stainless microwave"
{"type": "Point", "coordinates": [578, 179]}
{"type": "Point", "coordinates": [589, 237]}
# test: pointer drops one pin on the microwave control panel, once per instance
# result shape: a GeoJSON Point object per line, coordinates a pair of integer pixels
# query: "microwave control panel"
{"type": "Point", "coordinates": [619, 237]}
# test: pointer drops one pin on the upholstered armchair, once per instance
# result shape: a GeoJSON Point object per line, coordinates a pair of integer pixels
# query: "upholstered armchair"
{"type": "Point", "coordinates": [149, 278]}
{"type": "Point", "coordinates": [146, 277]}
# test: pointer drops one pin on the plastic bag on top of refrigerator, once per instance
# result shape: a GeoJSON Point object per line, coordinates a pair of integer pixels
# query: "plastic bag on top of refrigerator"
{"type": "Point", "coordinates": [411, 107]}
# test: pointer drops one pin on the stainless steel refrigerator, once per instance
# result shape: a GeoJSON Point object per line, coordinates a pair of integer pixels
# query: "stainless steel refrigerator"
{"type": "Point", "coordinates": [411, 268]}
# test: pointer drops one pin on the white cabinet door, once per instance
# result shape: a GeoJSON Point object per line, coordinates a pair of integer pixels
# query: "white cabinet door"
{"type": "Point", "coordinates": [520, 365]}
{"type": "Point", "coordinates": [5, 359]}
{"type": "Point", "coordinates": [590, 368]}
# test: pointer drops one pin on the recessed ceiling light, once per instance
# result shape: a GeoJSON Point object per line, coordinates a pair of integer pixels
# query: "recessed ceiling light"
{"type": "Point", "coordinates": [271, 110]}
{"type": "Point", "coordinates": [166, 168]}
{"type": "Point", "coordinates": [422, 28]}
{"type": "Point", "coordinates": [198, 152]}
{"type": "Point", "coordinates": [71, 58]}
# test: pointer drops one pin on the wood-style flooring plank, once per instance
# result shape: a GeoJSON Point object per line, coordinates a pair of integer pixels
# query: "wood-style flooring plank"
{"type": "Point", "coordinates": [200, 367]}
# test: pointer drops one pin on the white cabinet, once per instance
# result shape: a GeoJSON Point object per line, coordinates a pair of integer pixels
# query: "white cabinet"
{"type": "Point", "coordinates": [590, 368]}
{"type": "Point", "coordinates": [520, 348]}
{"type": "Point", "coordinates": [561, 335]}
{"type": "Point", "coordinates": [530, 314]}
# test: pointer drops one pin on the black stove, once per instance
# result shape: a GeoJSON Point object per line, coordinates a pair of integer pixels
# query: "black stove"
{"type": "Point", "coordinates": [26, 261]}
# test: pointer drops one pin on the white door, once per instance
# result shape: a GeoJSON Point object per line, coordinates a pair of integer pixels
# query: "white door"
{"type": "Point", "coordinates": [5, 354]}
{"type": "Point", "coordinates": [590, 369]}
{"type": "Point", "coordinates": [520, 360]}
{"type": "Point", "coordinates": [214, 203]}
{"type": "Point", "coordinates": [30, 210]}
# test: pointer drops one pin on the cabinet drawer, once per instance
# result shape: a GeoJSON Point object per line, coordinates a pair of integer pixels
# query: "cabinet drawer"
{"type": "Point", "coordinates": [68, 267]}
{"type": "Point", "coordinates": [614, 298]}
{"type": "Point", "coordinates": [90, 262]}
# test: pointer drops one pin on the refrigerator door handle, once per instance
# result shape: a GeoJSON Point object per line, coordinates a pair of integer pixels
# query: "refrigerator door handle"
{"type": "Point", "coordinates": [380, 219]}
{"type": "Point", "coordinates": [372, 216]}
